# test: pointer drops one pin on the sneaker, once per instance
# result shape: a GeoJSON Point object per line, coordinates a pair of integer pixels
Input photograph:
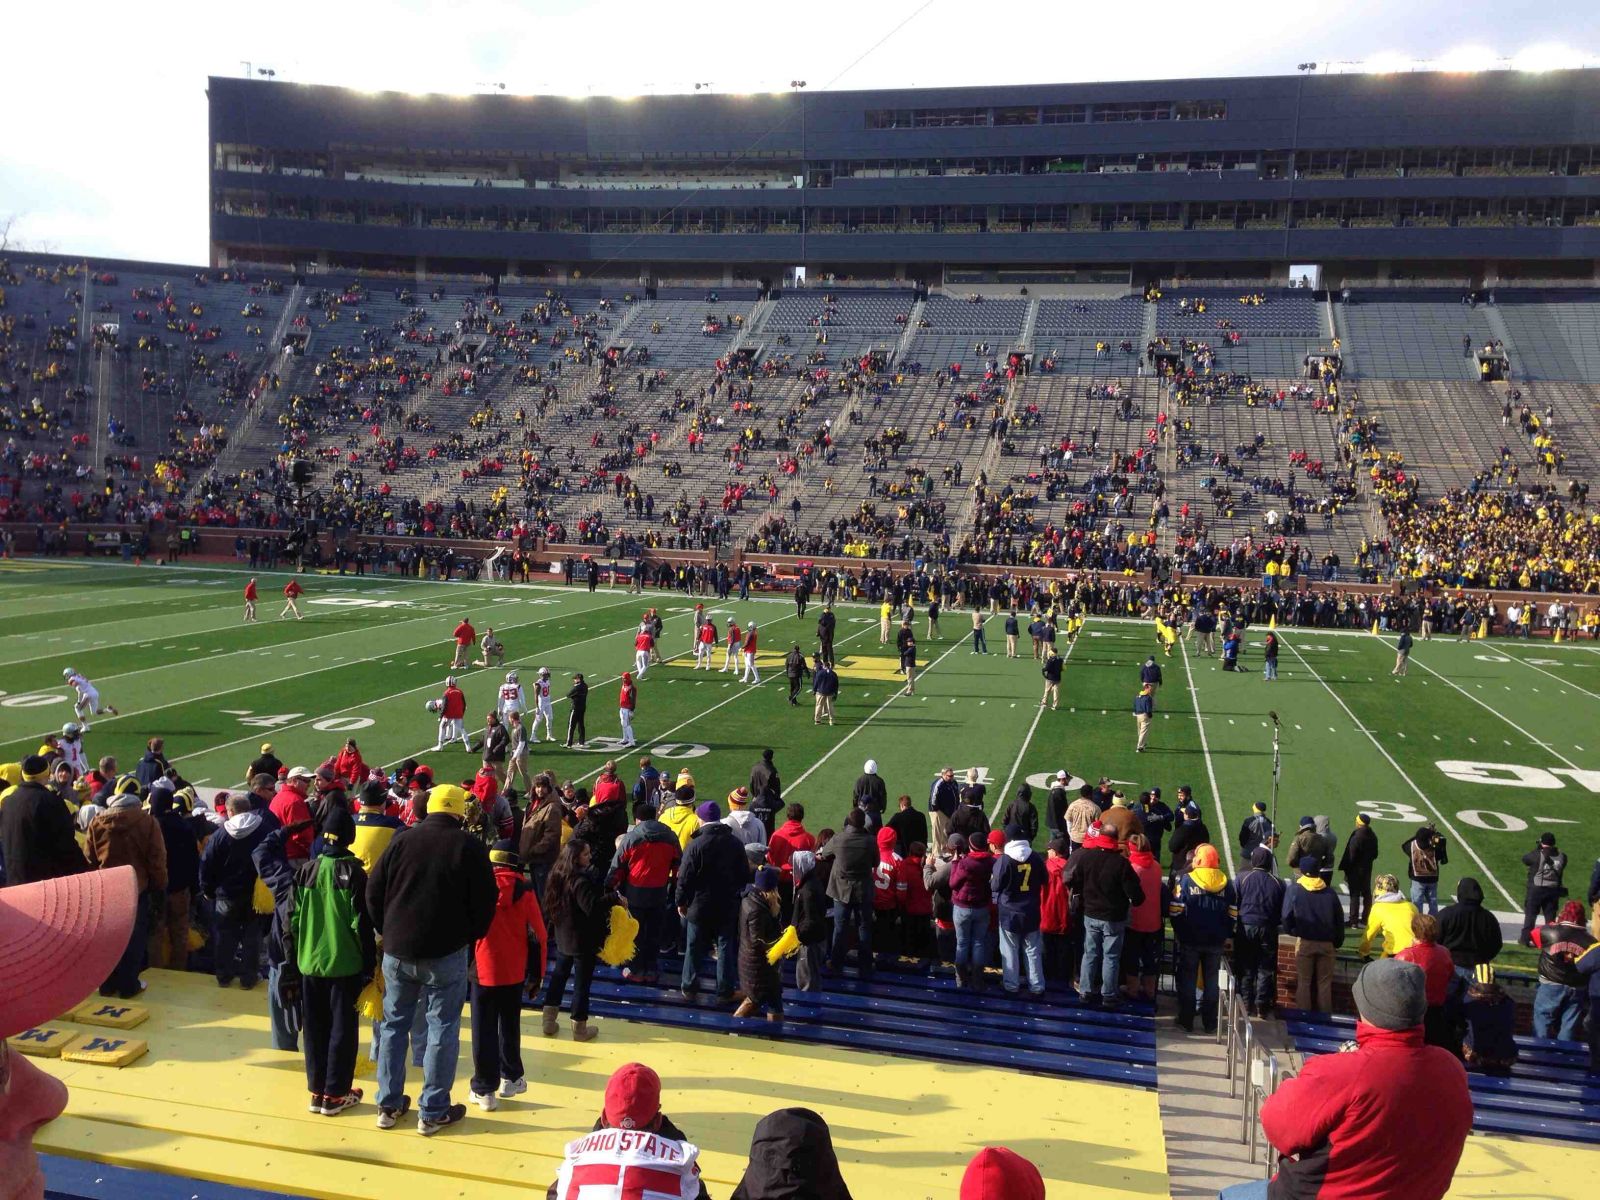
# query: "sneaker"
{"type": "Point", "coordinates": [453, 1115]}
{"type": "Point", "coordinates": [222, 983]}
{"type": "Point", "coordinates": [332, 1106]}
{"type": "Point", "coordinates": [512, 1087]}
{"type": "Point", "coordinates": [316, 1103]}
{"type": "Point", "coordinates": [485, 1101]}
{"type": "Point", "coordinates": [388, 1118]}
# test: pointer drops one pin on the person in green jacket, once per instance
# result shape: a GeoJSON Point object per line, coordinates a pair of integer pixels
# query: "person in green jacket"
{"type": "Point", "coordinates": [329, 951]}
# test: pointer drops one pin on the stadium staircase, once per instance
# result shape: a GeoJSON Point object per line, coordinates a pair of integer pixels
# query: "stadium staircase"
{"type": "Point", "coordinates": [906, 1012]}
{"type": "Point", "coordinates": [1548, 1093]}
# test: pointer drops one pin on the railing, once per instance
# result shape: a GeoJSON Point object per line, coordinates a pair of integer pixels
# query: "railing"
{"type": "Point", "coordinates": [1254, 1072]}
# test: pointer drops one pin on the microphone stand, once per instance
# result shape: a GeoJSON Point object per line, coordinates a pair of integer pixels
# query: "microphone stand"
{"type": "Point", "coordinates": [1277, 766]}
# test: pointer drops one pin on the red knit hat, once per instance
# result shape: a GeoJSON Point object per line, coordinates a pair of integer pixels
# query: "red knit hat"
{"type": "Point", "coordinates": [633, 1097]}
{"type": "Point", "coordinates": [996, 1173]}
{"type": "Point", "coordinates": [997, 839]}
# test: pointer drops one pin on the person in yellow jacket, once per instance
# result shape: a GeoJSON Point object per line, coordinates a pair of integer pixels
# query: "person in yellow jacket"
{"type": "Point", "coordinates": [1389, 922]}
{"type": "Point", "coordinates": [677, 811]}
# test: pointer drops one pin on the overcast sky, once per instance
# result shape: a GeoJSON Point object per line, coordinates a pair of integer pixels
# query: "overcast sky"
{"type": "Point", "coordinates": [104, 144]}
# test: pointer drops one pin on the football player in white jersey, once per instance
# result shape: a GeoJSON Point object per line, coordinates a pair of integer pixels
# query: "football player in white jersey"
{"type": "Point", "coordinates": [543, 708]}
{"type": "Point", "coordinates": [511, 697]}
{"type": "Point", "coordinates": [72, 751]}
{"type": "Point", "coordinates": [87, 703]}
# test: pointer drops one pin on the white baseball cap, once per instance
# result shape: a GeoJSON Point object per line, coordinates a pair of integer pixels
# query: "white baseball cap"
{"type": "Point", "coordinates": [871, 767]}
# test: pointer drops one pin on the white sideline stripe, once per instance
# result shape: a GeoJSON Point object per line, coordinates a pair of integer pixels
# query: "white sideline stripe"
{"type": "Point", "coordinates": [256, 683]}
{"type": "Point", "coordinates": [1421, 795]}
{"type": "Point", "coordinates": [1205, 749]}
{"type": "Point", "coordinates": [432, 685]}
{"type": "Point", "coordinates": [233, 623]}
{"type": "Point", "coordinates": [1557, 678]}
{"type": "Point", "coordinates": [1490, 708]}
{"type": "Point", "coordinates": [1005, 790]}
{"type": "Point", "coordinates": [893, 696]}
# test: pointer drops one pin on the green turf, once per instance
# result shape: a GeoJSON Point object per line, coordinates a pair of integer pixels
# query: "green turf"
{"type": "Point", "coordinates": [166, 646]}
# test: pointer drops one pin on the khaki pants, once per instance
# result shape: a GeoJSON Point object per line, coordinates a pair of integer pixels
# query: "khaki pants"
{"type": "Point", "coordinates": [1400, 659]}
{"type": "Point", "coordinates": [911, 680]}
{"type": "Point", "coordinates": [823, 710]}
{"type": "Point", "coordinates": [1313, 964]}
{"type": "Point", "coordinates": [1011, 645]}
{"type": "Point", "coordinates": [940, 831]}
{"type": "Point", "coordinates": [883, 630]}
{"type": "Point", "coordinates": [1052, 693]}
{"type": "Point", "coordinates": [1143, 721]}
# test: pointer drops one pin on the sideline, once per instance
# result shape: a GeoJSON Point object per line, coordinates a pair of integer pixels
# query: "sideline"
{"type": "Point", "coordinates": [1223, 834]}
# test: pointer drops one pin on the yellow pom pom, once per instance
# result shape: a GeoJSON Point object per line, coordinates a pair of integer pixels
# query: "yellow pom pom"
{"type": "Point", "coordinates": [196, 938]}
{"type": "Point", "coordinates": [370, 1003]}
{"type": "Point", "coordinates": [618, 947]}
{"type": "Point", "coordinates": [788, 943]}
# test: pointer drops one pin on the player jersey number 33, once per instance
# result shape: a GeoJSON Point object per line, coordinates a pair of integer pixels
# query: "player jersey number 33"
{"type": "Point", "coordinates": [628, 1164]}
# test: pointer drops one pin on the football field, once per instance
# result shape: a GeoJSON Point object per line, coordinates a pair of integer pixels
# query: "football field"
{"type": "Point", "coordinates": [1493, 741]}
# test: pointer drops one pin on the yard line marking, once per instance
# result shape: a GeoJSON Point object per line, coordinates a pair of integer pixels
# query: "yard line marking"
{"type": "Point", "coordinates": [1205, 749]}
{"type": "Point", "coordinates": [1022, 750]}
{"type": "Point", "coordinates": [1557, 678]}
{"type": "Point", "coordinates": [1401, 771]}
{"type": "Point", "coordinates": [893, 696]}
{"type": "Point", "coordinates": [1401, 735]}
{"type": "Point", "coordinates": [1490, 708]}
{"type": "Point", "coordinates": [258, 683]}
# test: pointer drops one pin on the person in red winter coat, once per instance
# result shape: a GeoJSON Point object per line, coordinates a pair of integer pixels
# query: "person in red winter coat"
{"type": "Point", "coordinates": [500, 969]}
{"type": "Point", "coordinates": [347, 765]}
{"type": "Point", "coordinates": [1385, 1121]}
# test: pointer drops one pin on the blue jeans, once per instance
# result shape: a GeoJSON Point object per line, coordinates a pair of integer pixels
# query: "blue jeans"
{"type": "Point", "coordinates": [1016, 947]}
{"type": "Point", "coordinates": [972, 938]}
{"type": "Point", "coordinates": [1269, 669]}
{"type": "Point", "coordinates": [1557, 1010]}
{"type": "Point", "coordinates": [419, 1045]}
{"type": "Point", "coordinates": [698, 938]}
{"type": "Point", "coordinates": [285, 1021]}
{"type": "Point", "coordinates": [1425, 895]}
{"type": "Point", "coordinates": [441, 984]}
{"type": "Point", "coordinates": [1102, 956]}
{"type": "Point", "coordinates": [859, 918]}
{"type": "Point", "coordinates": [1245, 1191]}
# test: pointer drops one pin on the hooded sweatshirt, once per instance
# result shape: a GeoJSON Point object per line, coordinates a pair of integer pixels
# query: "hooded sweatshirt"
{"type": "Point", "coordinates": [1468, 930]}
{"type": "Point", "coordinates": [792, 1158]}
{"type": "Point", "coordinates": [1016, 880]}
{"type": "Point", "coordinates": [970, 879]}
{"type": "Point", "coordinates": [1260, 892]}
{"type": "Point", "coordinates": [680, 817]}
{"type": "Point", "coordinates": [746, 826]}
{"type": "Point", "coordinates": [644, 863]}
{"type": "Point", "coordinates": [887, 894]}
{"type": "Point", "coordinates": [225, 865]}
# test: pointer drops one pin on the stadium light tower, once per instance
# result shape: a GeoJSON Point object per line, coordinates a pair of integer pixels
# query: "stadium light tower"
{"type": "Point", "coordinates": [1307, 66]}
{"type": "Point", "coordinates": [266, 73]}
